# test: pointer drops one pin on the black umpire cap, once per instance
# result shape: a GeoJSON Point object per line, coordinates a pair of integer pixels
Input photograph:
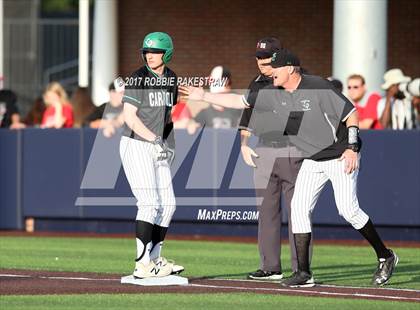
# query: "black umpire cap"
{"type": "Point", "coordinates": [266, 47]}
{"type": "Point", "coordinates": [282, 58]}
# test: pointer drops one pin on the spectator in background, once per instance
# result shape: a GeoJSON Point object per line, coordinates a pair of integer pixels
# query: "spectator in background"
{"type": "Point", "coordinates": [366, 103]}
{"type": "Point", "coordinates": [336, 83]}
{"type": "Point", "coordinates": [414, 89]}
{"type": "Point", "coordinates": [82, 106]}
{"type": "Point", "coordinates": [9, 113]}
{"type": "Point", "coordinates": [108, 116]}
{"type": "Point", "coordinates": [181, 115]}
{"type": "Point", "coordinates": [34, 116]}
{"type": "Point", "coordinates": [59, 113]}
{"type": "Point", "coordinates": [217, 116]}
{"type": "Point", "coordinates": [396, 109]}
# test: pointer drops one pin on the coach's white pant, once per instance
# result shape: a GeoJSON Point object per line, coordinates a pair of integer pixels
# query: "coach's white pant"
{"type": "Point", "coordinates": [312, 177]}
{"type": "Point", "coordinates": [150, 182]}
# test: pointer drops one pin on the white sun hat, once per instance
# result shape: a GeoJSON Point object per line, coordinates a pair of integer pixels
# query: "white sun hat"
{"type": "Point", "coordinates": [414, 87]}
{"type": "Point", "coordinates": [394, 76]}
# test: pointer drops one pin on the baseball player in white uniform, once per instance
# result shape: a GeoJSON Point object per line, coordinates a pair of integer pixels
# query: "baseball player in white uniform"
{"type": "Point", "coordinates": [147, 149]}
{"type": "Point", "coordinates": [315, 114]}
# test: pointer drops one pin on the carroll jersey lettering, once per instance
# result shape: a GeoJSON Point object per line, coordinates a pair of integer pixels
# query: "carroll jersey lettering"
{"type": "Point", "coordinates": [160, 99]}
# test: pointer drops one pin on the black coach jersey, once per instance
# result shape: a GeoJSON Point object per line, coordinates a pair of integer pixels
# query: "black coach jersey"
{"type": "Point", "coordinates": [312, 117]}
{"type": "Point", "coordinates": [154, 97]}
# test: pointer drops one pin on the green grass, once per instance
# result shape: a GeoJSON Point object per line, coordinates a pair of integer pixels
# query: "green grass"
{"type": "Point", "coordinates": [340, 265]}
{"type": "Point", "coordinates": [198, 301]}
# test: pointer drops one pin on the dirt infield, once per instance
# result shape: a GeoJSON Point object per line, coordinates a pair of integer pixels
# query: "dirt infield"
{"type": "Point", "coordinates": [29, 282]}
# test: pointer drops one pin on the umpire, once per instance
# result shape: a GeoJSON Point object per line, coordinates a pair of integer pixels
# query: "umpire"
{"type": "Point", "coordinates": [276, 166]}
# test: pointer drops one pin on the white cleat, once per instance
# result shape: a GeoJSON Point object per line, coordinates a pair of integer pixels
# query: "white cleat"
{"type": "Point", "coordinates": [176, 269]}
{"type": "Point", "coordinates": [152, 270]}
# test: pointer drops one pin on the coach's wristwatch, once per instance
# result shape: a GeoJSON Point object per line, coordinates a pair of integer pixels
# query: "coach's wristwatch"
{"type": "Point", "coordinates": [354, 147]}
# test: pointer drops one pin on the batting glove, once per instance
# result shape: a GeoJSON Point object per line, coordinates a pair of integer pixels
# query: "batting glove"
{"type": "Point", "coordinates": [162, 151]}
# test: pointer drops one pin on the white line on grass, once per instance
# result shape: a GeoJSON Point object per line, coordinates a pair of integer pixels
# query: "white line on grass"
{"type": "Point", "coordinates": [373, 288]}
{"type": "Point", "coordinates": [14, 276]}
{"type": "Point", "coordinates": [311, 292]}
{"type": "Point", "coordinates": [82, 279]}
{"type": "Point", "coordinates": [55, 278]}
{"type": "Point", "coordinates": [323, 285]}
{"type": "Point", "coordinates": [308, 292]}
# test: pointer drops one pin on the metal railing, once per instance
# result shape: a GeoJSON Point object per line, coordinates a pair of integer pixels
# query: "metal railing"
{"type": "Point", "coordinates": [60, 73]}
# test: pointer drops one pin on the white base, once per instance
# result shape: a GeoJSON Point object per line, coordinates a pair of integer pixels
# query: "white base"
{"type": "Point", "coordinates": [158, 281]}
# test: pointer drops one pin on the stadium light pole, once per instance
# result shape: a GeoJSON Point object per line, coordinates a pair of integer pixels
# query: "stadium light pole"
{"type": "Point", "coordinates": [105, 49]}
{"type": "Point", "coordinates": [83, 43]}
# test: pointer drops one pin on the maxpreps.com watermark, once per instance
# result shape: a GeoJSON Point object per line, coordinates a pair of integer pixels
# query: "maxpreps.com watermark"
{"type": "Point", "coordinates": [223, 215]}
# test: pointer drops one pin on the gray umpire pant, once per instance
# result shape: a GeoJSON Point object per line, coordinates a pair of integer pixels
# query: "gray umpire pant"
{"type": "Point", "coordinates": [276, 173]}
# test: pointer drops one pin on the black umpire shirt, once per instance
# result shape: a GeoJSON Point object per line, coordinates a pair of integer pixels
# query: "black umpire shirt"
{"type": "Point", "coordinates": [269, 135]}
{"type": "Point", "coordinates": [251, 122]}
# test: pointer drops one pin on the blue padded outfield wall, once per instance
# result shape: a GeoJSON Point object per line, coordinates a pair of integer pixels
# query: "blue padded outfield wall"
{"type": "Point", "coordinates": [75, 175]}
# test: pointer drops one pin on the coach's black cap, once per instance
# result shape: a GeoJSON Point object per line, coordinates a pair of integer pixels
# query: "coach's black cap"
{"type": "Point", "coordinates": [283, 58]}
{"type": "Point", "coordinates": [266, 47]}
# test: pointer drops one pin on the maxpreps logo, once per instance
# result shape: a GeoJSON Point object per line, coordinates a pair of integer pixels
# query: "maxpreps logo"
{"type": "Point", "coordinates": [231, 195]}
{"type": "Point", "coordinates": [207, 177]}
{"type": "Point", "coordinates": [223, 215]}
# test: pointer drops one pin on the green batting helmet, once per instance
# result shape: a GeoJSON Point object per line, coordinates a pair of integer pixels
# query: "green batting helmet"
{"type": "Point", "coordinates": [158, 41]}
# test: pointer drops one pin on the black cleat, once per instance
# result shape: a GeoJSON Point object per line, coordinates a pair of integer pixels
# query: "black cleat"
{"type": "Point", "coordinates": [265, 275]}
{"type": "Point", "coordinates": [385, 268]}
{"type": "Point", "coordinates": [299, 279]}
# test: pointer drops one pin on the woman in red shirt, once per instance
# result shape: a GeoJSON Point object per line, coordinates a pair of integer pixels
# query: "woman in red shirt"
{"type": "Point", "coordinates": [59, 113]}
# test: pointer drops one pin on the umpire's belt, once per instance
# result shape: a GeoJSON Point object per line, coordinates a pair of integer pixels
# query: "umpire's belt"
{"type": "Point", "coordinates": [274, 143]}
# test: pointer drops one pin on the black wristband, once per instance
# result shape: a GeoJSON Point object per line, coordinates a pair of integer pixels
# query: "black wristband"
{"type": "Point", "coordinates": [354, 147]}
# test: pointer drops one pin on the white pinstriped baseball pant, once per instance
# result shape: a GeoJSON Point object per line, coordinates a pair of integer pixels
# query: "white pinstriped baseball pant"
{"type": "Point", "coordinates": [150, 182]}
{"type": "Point", "coordinates": [312, 177]}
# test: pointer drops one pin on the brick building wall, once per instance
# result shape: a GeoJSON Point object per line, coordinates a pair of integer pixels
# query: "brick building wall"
{"type": "Point", "coordinates": [403, 36]}
{"type": "Point", "coordinates": [209, 33]}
